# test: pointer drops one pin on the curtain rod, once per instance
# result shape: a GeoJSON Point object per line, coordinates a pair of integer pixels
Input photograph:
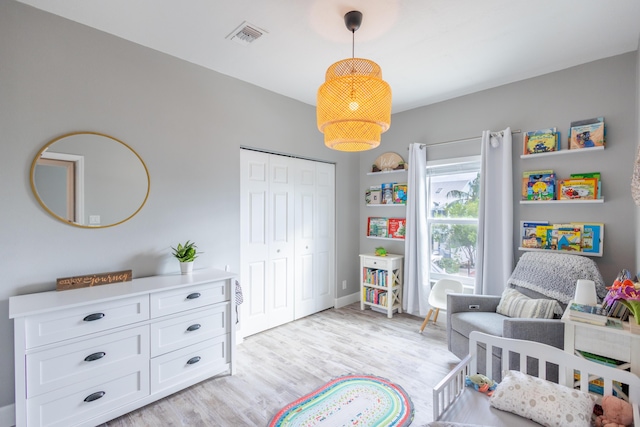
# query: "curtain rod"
{"type": "Point", "coordinates": [455, 141]}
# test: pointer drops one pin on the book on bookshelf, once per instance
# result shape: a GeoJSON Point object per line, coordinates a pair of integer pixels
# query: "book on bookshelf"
{"type": "Point", "coordinates": [577, 188]}
{"type": "Point", "coordinates": [400, 194]}
{"type": "Point", "coordinates": [397, 228]}
{"type": "Point", "coordinates": [375, 196]}
{"type": "Point", "coordinates": [530, 237]}
{"type": "Point", "coordinates": [593, 314]}
{"type": "Point", "coordinates": [541, 141]}
{"type": "Point", "coordinates": [377, 227]}
{"type": "Point", "coordinates": [587, 133]}
{"type": "Point", "coordinates": [541, 186]}
{"type": "Point", "coordinates": [525, 179]}
{"type": "Point", "coordinates": [387, 193]}
{"type": "Point", "coordinates": [595, 175]}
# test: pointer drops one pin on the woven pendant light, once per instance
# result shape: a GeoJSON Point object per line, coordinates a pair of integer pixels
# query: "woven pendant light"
{"type": "Point", "coordinates": [354, 103]}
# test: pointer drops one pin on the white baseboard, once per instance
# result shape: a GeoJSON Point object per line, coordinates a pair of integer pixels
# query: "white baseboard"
{"type": "Point", "coordinates": [347, 299]}
{"type": "Point", "coordinates": [8, 416]}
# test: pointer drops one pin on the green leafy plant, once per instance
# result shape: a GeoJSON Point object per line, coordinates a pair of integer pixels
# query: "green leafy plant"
{"type": "Point", "coordinates": [186, 252]}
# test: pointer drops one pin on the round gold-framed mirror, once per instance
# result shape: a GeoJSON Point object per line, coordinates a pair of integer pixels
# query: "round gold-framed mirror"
{"type": "Point", "coordinates": [90, 180]}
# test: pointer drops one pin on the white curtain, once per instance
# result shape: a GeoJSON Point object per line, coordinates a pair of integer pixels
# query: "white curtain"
{"type": "Point", "coordinates": [416, 244]}
{"type": "Point", "coordinates": [495, 217]}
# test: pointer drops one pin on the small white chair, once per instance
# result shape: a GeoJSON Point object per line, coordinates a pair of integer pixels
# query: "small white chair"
{"type": "Point", "coordinates": [438, 298]}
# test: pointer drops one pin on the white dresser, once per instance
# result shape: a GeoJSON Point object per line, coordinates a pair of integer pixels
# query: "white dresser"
{"type": "Point", "coordinates": [86, 356]}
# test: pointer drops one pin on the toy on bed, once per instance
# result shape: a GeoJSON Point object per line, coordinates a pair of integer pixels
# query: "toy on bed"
{"type": "Point", "coordinates": [615, 413]}
{"type": "Point", "coordinates": [481, 383]}
{"type": "Point", "coordinates": [524, 398]}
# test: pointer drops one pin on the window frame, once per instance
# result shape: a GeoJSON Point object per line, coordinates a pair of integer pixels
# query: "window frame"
{"type": "Point", "coordinates": [449, 167]}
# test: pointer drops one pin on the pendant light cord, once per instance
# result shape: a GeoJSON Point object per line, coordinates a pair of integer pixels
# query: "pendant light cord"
{"type": "Point", "coordinates": [353, 43]}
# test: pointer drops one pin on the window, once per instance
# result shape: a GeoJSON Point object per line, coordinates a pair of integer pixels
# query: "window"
{"type": "Point", "coordinates": [452, 218]}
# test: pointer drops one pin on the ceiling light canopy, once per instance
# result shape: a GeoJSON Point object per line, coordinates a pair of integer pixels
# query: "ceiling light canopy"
{"type": "Point", "coordinates": [354, 103]}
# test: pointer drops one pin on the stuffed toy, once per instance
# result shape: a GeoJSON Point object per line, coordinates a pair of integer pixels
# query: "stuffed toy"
{"type": "Point", "coordinates": [615, 413]}
{"type": "Point", "coordinates": [481, 383]}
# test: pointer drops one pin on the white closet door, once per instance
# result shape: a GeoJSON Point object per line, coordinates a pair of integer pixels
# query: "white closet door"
{"type": "Point", "coordinates": [314, 229]}
{"type": "Point", "coordinates": [287, 239]}
{"type": "Point", "coordinates": [266, 241]}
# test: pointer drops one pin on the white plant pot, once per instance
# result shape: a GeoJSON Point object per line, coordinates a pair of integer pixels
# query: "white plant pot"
{"type": "Point", "coordinates": [186, 267]}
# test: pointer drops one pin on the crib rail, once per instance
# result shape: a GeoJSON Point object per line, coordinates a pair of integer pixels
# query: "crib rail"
{"type": "Point", "coordinates": [449, 388]}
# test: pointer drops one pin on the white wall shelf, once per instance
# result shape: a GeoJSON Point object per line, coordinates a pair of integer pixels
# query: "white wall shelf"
{"type": "Point", "coordinates": [384, 238]}
{"type": "Point", "coordinates": [387, 172]}
{"type": "Point", "coordinates": [388, 205]}
{"type": "Point", "coordinates": [551, 202]}
{"type": "Point", "coordinates": [561, 252]}
{"type": "Point", "coordinates": [561, 152]}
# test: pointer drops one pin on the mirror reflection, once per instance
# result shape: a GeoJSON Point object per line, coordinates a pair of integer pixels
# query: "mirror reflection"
{"type": "Point", "coordinates": [90, 180]}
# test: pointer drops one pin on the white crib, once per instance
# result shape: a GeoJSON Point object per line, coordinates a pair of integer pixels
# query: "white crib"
{"type": "Point", "coordinates": [453, 402]}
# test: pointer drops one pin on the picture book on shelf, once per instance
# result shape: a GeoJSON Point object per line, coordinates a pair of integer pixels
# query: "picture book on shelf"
{"type": "Point", "coordinates": [587, 133]}
{"type": "Point", "coordinates": [525, 179]}
{"type": "Point", "coordinates": [377, 227]}
{"type": "Point", "coordinates": [591, 236]}
{"type": "Point", "coordinates": [541, 141]}
{"type": "Point", "coordinates": [530, 237]}
{"type": "Point", "coordinates": [373, 196]}
{"type": "Point", "coordinates": [400, 194]}
{"type": "Point", "coordinates": [541, 186]}
{"type": "Point", "coordinates": [595, 175]}
{"type": "Point", "coordinates": [577, 188]}
{"type": "Point", "coordinates": [397, 228]}
{"type": "Point", "coordinates": [387, 193]}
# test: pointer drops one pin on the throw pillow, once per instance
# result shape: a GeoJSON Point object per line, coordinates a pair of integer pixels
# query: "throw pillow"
{"type": "Point", "coordinates": [514, 304]}
{"type": "Point", "coordinates": [542, 401]}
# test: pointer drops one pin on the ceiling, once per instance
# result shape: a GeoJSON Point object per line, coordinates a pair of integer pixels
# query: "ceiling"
{"type": "Point", "coordinates": [429, 50]}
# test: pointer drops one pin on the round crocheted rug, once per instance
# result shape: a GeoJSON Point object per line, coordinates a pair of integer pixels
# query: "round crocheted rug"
{"type": "Point", "coordinates": [350, 400]}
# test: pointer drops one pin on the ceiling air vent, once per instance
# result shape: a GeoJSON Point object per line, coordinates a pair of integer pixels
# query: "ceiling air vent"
{"type": "Point", "coordinates": [246, 34]}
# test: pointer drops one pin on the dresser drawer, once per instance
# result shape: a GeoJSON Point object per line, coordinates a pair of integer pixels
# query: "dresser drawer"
{"type": "Point", "coordinates": [189, 364]}
{"type": "Point", "coordinates": [72, 405]}
{"type": "Point", "coordinates": [182, 331]}
{"type": "Point", "coordinates": [188, 298]}
{"type": "Point", "coordinates": [100, 357]}
{"type": "Point", "coordinates": [375, 263]}
{"type": "Point", "coordinates": [88, 319]}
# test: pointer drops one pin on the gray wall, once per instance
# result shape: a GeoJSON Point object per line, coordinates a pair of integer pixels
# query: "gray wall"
{"type": "Point", "coordinates": [186, 122]}
{"type": "Point", "coordinates": [602, 88]}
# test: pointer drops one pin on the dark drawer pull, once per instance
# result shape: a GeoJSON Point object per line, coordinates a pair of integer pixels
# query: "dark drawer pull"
{"type": "Point", "coordinates": [95, 356]}
{"type": "Point", "coordinates": [193, 360]}
{"type": "Point", "coordinates": [194, 327]}
{"type": "Point", "coordinates": [193, 295]}
{"type": "Point", "coordinates": [94, 396]}
{"type": "Point", "coordinates": [94, 316]}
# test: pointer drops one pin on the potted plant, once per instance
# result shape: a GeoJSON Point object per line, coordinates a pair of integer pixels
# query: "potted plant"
{"type": "Point", "coordinates": [186, 254]}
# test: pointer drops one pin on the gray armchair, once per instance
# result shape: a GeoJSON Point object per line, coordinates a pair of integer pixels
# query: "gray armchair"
{"type": "Point", "coordinates": [537, 275]}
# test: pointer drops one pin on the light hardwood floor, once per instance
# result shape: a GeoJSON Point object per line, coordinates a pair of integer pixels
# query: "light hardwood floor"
{"type": "Point", "coordinates": [278, 366]}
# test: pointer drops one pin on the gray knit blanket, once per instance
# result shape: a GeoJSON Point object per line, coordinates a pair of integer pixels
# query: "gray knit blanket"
{"type": "Point", "coordinates": [555, 275]}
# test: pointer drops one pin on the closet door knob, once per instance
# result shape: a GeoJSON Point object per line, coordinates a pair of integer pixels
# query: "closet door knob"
{"type": "Point", "coordinates": [94, 396]}
{"type": "Point", "coordinates": [193, 295]}
{"type": "Point", "coordinates": [194, 327]}
{"type": "Point", "coordinates": [193, 360]}
{"type": "Point", "coordinates": [95, 356]}
{"type": "Point", "coordinates": [94, 316]}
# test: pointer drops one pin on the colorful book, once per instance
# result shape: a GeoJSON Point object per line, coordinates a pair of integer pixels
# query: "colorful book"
{"type": "Point", "coordinates": [541, 187]}
{"type": "Point", "coordinates": [397, 228]}
{"type": "Point", "coordinates": [377, 227]}
{"type": "Point", "coordinates": [587, 133]}
{"type": "Point", "coordinates": [530, 237]}
{"type": "Point", "coordinates": [525, 179]}
{"type": "Point", "coordinates": [375, 196]}
{"type": "Point", "coordinates": [400, 194]}
{"type": "Point", "coordinates": [387, 193]}
{"type": "Point", "coordinates": [569, 239]}
{"type": "Point", "coordinates": [572, 189]}
{"type": "Point", "coordinates": [592, 235]}
{"type": "Point", "coordinates": [541, 141]}
{"type": "Point", "coordinates": [595, 175]}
